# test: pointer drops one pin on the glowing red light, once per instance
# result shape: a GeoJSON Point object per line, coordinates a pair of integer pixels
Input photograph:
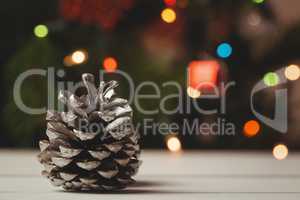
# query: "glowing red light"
{"type": "Point", "coordinates": [203, 74]}
{"type": "Point", "coordinates": [170, 2]}
{"type": "Point", "coordinates": [110, 64]}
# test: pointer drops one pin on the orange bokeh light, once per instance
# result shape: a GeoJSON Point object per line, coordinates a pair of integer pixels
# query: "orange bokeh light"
{"type": "Point", "coordinates": [110, 64]}
{"type": "Point", "coordinates": [251, 128]}
{"type": "Point", "coordinates": [170, 2]}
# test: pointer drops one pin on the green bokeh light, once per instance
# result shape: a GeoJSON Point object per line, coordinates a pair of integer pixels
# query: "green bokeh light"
{"type": "Point", "coordinates": [41, 31]}
{"type": "Point", "coordinates": [258, 1]}
{"type": "Point", "coordinates": [271, 79]}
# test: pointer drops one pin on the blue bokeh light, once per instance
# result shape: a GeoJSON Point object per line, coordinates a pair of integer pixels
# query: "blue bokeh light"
{"type": "Point", "coordinates": [224, 50]}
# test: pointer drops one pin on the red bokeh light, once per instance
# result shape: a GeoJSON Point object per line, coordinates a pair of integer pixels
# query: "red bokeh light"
{"type": "Point", "coordinates": [203, 74]}
{"type": "Point", "coordinates": [110, 64]}
{"type": "Point", "coordinates": [170, 2]}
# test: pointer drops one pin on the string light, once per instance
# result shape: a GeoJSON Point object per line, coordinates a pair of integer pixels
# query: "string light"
{"type": "Point", "coordinates": [193, 93]}
{"type": "Point", "coordinates": [41, 31]}
{"type": "Point", "coordinates": [174, 144]}
{"type": "Point", "coordinates": [110, 64]}
{"type": "Point", "coordinates": [251, 128]}
{"type": "Point", "coordinates": [78, 57]}
{"type": "Point", "coordinates": [224, 50]}
{"type": "Point", "coordinates": [292, 72]}
{"type": "Point", "coordinates": [170, 2]}
{"type": "Point", "coordinates": [168, 15]}
{"type": "Point", "coordinates": [271, 79]}
{"type": "Point", "coordinates": [280, 151]}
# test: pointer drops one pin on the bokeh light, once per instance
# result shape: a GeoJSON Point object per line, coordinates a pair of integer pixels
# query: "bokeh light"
{"type": "Point", "coordinates": [68, 61]}
{"type": "Point", "coordinates": [251, 128]}
{"type": "Point", "coordinates": [110, 64]}
{"type": "Point", "coordinates": [224, 50]}
{"type": "Point", "coordinates": [292, 72]}
{"type": "Point", "coordinates": [78, 57]}
{"type": "Point", "coordinates": [170, 2]}
{"type": "Point", "coordinates": [168, 15]}
{"type": "Point", "coordinates": [271, 79]}
{"type": "Point", "coordinates": [280, 151]}
{"type": "Point", "coordinates": [173, 144]}
{"type": "Point", "coordinates": [41, 31]}
{"type": "Point", "coordinates": [193, 93]}
{"type": "Point", "coordinates": [203, 75]}
{"type": "Point", "coordinates": [258, 1]}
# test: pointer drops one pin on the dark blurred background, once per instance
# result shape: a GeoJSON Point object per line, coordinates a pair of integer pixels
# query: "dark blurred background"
{"type": "Point", "coordinates": [155, 41]}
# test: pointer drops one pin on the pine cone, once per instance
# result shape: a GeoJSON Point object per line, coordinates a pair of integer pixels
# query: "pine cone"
{"type": "Point", "coordinates": [79, 156]}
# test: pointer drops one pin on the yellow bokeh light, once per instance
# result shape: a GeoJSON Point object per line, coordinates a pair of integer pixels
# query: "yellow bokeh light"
{"type": "Point", "coordinates": [193, 93]}
{"type": "Point", "coordinates": [174, 144]}
{"type": "Point", "coordinates": [280, 151]}
{"type": "Point", "coordinates": [292, 72]}
{"type": "Point", "coordinates": [168, 15]}
{"type": "Point", "coordinates": [78, 57]}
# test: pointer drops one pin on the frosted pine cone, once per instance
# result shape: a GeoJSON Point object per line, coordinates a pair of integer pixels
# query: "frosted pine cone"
{"type": "Point", "coordinates": [92, 145]}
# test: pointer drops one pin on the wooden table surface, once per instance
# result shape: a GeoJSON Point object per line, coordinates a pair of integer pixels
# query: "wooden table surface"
{"type": "Point", "coordinates": [189, 175]}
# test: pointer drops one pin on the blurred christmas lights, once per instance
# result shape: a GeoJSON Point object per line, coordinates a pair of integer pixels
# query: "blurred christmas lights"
{"type": "Point", "coordinates": [174, 144]}
{"type": "Point", "coordinates": [78, 57]}
{"type": "Point", "coordinates": [271, 79]}
{"type": "Point", "coordinates": [41, 31]}
{"type": "Point", "coordinates": [292, 72]}
{"type": "Point", "coordinates": [280, 151]}
{"type": "Point", "coordinates": [203, 74]}
{"type": "Point", "coordinates": [168, 15]}
{"type": "Point", "coordinates": [224, 50]}
{"type": "Point", "coordinates": [103, 13]}
{"type": "Point", "coordinates": [251, 128]}
{"type": "Point", "coordinates": [110, 64]}
{"type": "Point", "coordinates": [193, 93]}
{"type": "Point", "coordinates": [170, 2]}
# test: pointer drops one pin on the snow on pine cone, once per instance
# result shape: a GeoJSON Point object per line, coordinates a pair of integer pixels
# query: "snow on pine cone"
{"type": "Point", "coordinates": [92, 145]}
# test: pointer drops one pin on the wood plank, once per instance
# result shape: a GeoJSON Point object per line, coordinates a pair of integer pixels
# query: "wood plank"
{"type": "Point", "coordinates": [191, 175]}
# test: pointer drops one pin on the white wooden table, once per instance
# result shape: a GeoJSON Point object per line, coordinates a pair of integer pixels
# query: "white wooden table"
{"type": "Point", "coordinates": [190, 175]}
